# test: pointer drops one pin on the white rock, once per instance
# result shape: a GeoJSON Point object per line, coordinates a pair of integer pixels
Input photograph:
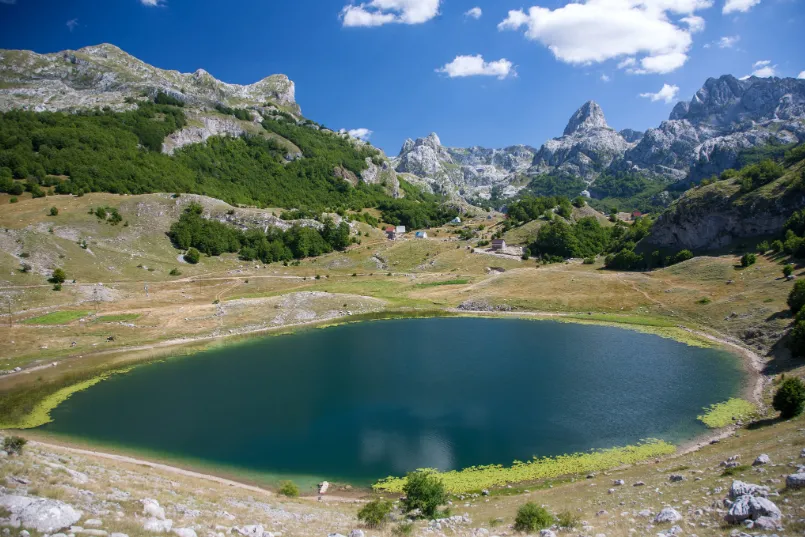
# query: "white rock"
{"type": "Point", "coordinates": [546, 533]}
{"type": "Point", "coordinates": [252, 530]}
{"type": "Point", "coordinates": [668, 514]}
{"type": "Point", "coordinates": [356, 533]}
{"type": "Point", "coordinates": [795, 481]}
{"type": "Point", "coordinates": [151, 508]}
{"type": "Point", "coordinates": [93, 522]}
{"type": "Point", "coordinates": [739, 488]}
{"type": "Point", "coordinates": [185, 532]}
{"type": "Point", "coordinates": [113, 535]}
{"type": "Point", "coordinates": [155, 525]}
{"type": "Point", "coordinates": [40, 514]}
{"type": "Point", "coordinates": [761, 460]}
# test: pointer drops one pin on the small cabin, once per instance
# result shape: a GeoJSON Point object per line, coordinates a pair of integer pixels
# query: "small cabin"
{"type": "Point", "coordinates": [636, 215]}
{"type": "Point", "coordinates": [421, 235]}
{"type": "Point", "coordinates": [498, 244]}
{"type": "Point", "coordinates": [400, 230]}
{"type": "Point", "coordinates": [391, 233]}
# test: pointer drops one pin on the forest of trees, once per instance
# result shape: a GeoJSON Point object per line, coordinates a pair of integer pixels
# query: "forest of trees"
{"type": "Point", "coordinates": [213, 238]}
{"type": "Point", "coordinates": [120, 152]}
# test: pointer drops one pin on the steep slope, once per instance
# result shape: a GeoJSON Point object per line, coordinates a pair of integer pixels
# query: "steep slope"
{"type": "Point", "coordinates": [104, 75]}
{"type": "Point", "coordinates": [712, 216]}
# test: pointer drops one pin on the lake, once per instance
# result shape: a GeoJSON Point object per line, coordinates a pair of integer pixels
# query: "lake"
{"type": "Point", "coordinates": [359, 402]}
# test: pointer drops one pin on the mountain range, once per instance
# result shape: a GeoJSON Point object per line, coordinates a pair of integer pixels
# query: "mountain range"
{"type": "Point", "coordinates": [702, 137]}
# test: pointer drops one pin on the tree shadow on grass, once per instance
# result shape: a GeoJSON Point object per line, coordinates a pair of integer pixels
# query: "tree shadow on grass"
{"type": "Point", "coordinates": [765, 422]}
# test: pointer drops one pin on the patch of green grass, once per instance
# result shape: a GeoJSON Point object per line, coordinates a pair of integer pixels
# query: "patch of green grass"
{"type": "Point", "coordinates": [457, 281]}
{"type": "Point", "coordinates": [57, 317]}
{"type": "Point", "coordinates": [123, 317]}
{"type": "Point", "coordinates": [728, 412]}
{"type": "Point", "coordinates": [640, 320]}
{"type": "Point", "coordinates": [477, 478]}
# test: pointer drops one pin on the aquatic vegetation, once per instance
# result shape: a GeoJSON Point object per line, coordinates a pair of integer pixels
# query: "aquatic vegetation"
{"type": "Point", "coordinates": [477, 478]}
{"type": "Point", "coordinates": [728, 412]}
{"type": "Point", "coordinates": [40, 414]}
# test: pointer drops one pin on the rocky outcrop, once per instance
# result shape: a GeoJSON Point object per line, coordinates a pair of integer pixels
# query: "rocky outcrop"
{"type": "Point", "coordinates": [104, 75]}
{"type": "Point", "coordinates": [195, 134]}
{"type": "Point", "coordinates": [42, 515]}
{"type": "Point", "coordinates": [711, 217]}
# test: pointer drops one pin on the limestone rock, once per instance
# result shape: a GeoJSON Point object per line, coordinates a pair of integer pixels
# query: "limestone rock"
{"type": "Point", "coordinates": [42, 515]}
{"type": "Point", "coordinates": [185, 532]}
{"type": "Point", "coordinates": [155, 525]}
{"type": "Point", "coordinates": [795, 481]}
{"type": "Point", "coordinates": [668, 514]}
{"type": "Point", "coordinates": [751, 507]}
{"type": "Point", "coordinates": [739, 488]}
{"type": "Point", "coordinates": [151, 508]}
{"type": "Point", "coordinates": [761, 460]}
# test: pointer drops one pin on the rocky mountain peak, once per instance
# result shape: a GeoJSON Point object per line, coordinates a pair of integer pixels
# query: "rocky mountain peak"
{"type": "Point", "coordinates": [433, 140]}
{"type": "Point", "coordinates": [589, 116]}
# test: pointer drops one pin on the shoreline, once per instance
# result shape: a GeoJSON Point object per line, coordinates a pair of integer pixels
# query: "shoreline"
{"type": "Point", "coordinates": [751, 366]}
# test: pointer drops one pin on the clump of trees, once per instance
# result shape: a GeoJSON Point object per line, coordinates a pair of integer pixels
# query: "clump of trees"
{"type": "Point", "coordinates": [789, 399]}
{"type": "Point", "coordinates": [425, 492]}
{"type": "Point", "coordinates": [199, 236]}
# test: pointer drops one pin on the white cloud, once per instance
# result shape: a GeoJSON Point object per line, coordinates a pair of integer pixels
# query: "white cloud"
{"type": "Point", "coordinates": [476, 66]}
{"type": "Point", "coordinates": [801, 75]}
{"type": "Point", "coordinates": [605, 78]}
{"type": "Point", "coordinates": [762, 69]}
{"type": "Point", "coordinates": [72, 24]}
{"type": "Point", "coordinates": [741, 6]}
{"type": "Point", "coordinates": [728, 41]}
{"type": "Point", "coordinates": [360, 134]}
{"type": "Point", "coordinates": [667, 94]}
{"type": "Point", "coordinates": [474, 13]}
{"type": "Point", "coordinates": [152, 3]}
{"type": "Point", "coordinates": [694, 22]}
{"type": "Point", "coordinates": [380, 12]}
{"type": "Point", "coordinates": [600, 30]}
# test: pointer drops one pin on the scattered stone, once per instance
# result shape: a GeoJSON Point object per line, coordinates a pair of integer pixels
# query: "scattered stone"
{"type": "Point", "coordinates": [113, 535]}
{"type": "Point", "coordinates": [151, 508]}
{"type": "Point", "coordinates": [675, 478]}
{"type": "Point", "coordinates": [356, 533]}
{"type": "Point", "coordinates": [761, 460]}
{"type": "Point", "coordinates": [155, 525]}
{"type": "Point", "coordinates": [619, 482]}
{"type": "Point", "coordinates": [40, 514]}
{"type": "Point", "coordinates": [645, 513]}
{"type": "Point", "coordinates": [750, 507]}
{"type": "Point", "coordinates": [185, 532]}
{"type": "Point", "coordinates": [767, 523]}
{"type": "Point", "coordinates": [668, 514]}
{"type": "Point", "coordinates": [739, 488]}
{"type": "Point", "coordinates": [252, 530]}
{"type": "Point", "coordinates": [795, 481]}
{"type": "Point", "coordinates": [93, 522]}
{"type": "Point", "coordinates": [639, 484]}
{"type": "Point", "coordinates": [546, 533]}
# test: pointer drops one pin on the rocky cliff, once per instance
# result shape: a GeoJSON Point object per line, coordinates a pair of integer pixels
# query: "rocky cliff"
{"type": "Point", "coordinates": [701, 138]}
{"type": "Point", "coordinates": [104, 75]}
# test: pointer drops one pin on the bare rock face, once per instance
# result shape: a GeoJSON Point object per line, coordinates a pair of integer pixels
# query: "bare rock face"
{"type": "Point", "coordinates": [212, 126]}
{"type": "Point", "coordinates": [104, 75]}
{"type": "Point", "coordinates": [588, 117]}
{"type": "Point", "coordinates": [42, 515]}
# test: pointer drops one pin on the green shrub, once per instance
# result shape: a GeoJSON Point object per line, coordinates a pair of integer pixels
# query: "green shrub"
{"type": "Point", "coordinates": [788, 270]}
{"type": "Point", "coordinates": [175, 272]}
{"type": "Point", "coordinates": [526, 254]}
{"type": "Point", "coordinates": [424, 491]}
{"type": "Point", "coordinates": [683, 255]}
{"type": "Point", "coordinates": [374, 513]}
{"type": "Point", "coordinates": [13, 200]}
{"type": "Point", "coordinates": [567, 519]}
{"type": "Point", "coordinates": [797, 342]}
{"type": "Point", "coordinates": [58, 276]}
{"type": "Point", "coordinates": [790, 398]}
{"type": "Point", "coordinates": [13, 445]}
{"type": "Point", "coordinates": [589, 261]}
{"type": "Point", "coordinates": [532, 518]}
{"type": "Point", "coordinates": [289, 489]}
{"type": "Point", "coordinates": [57, 287]}
{"type": "Point", "coordinates": [54, 211]}
{"type": "Point", "coordinates": [735, 470]}
{"type": "Point", "coordinates": [403, 529]}
{"type": "Point", "coordinates": [748, 260]}
{"type": "Point", "coordinates": [796, 298]}
{"type": "Point", "coordinates": [192, 256]}
{"type": "Point", "coordinates": [777, 246]}
{"type": "Point", "coordinates": [763, 247]}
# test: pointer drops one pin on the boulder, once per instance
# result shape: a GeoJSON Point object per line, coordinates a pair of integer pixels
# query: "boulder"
{"type": "Point", "coordinates": [40, 514]}
{"type": "Point", "coordinates": [668, 514]}
{"type": "Point", "coordinates": [93, 522]}
{"type": "Point", "coordinates": [619, 482]}
{"type": "Point", "coordinates": [252, 530]}
{"type": "Point", "coordinates": [151, 508]}
{"type": "Point", "coordinates": [546, 533]}
{"type": "Point", "coordinates": [356, 533]}
{"type": "Point", "coordinates": [761, 460]}
{"type": "Point", "coordinates": [155, 525]}
{"type": "Point", "coordinates": [767, 523]}
{"type": "Point", "coordinates": [752, 508]}
{"type": "Point", "coordinates": [185, 532]}
{"type": "Point", "coordinates": [739, 488]}
{"type": "Point", "coordinates": [676, 478]}
{"type": "Point", "coordinates": [795, 481]}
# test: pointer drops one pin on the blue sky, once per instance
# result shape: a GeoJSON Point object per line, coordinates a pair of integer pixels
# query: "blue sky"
{"type": "Point", "coordinates": [405, 68]}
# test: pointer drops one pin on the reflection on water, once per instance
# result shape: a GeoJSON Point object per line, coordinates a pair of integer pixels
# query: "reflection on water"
{"type": "Point", "coordinates": [401, 453]}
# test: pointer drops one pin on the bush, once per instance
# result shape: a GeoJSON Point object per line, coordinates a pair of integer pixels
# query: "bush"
{"type": "Point", "coordinates": [58, 276]}
{"type": "Point", "coordinates": [748, 260]}
{"type": "Point", "coordinates": [796, 299]}
{"type": "Point", "coordinates": [54, 211]}
{"type": "Point", "coordinates": [526, 254]}
{"type": "Point", "coordinates": [13, 200]}
{"type": "Point", "coordinates": [788, 270]}
{"type": "Point", "coordinates": [403, 529]}
{"type": "Point", "coordinates": [683, 255]}
{"type": "Point", "coordinates": [567, 519]}
{"type": "Point", "coordinates": [532, 518]}
{"type": "Point", "coordinates": [777, 246]}
{"type": "Point", "coordinates": [57, 287]}
{"type": "Point", "coordinates": [797, 342]}
{"type": "Point", "coordinates": [175, 272]}
{"type": "Point", "coordinates": [192, 256]}
{"type": "Point", "coordinates": [424, 491]}
{"type": "Point", "coordinates": [790, 398]}
{"type": "Point", "coordinates": [589, 261]}
{"type": "Point", "coordinates": [763, 247]}
{"type": "Point", "coordinates": [13, 445]}
{"type": "Point", "coordinates": [289, 489]}
{"type": "Point", "coordinates": [374, 513]}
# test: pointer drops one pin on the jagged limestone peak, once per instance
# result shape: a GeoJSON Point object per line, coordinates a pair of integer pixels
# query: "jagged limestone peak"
{"type": "Point", "coordinates": [589, 116]}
